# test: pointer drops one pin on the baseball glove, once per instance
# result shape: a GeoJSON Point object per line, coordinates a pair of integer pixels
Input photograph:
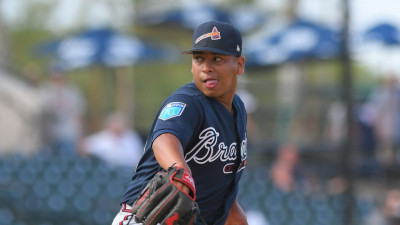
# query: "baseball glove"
{"type": "Point", "coordinates": [163, 202]}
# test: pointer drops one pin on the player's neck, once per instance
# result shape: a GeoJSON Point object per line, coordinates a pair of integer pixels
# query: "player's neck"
{"type": "Point", "coordinates": [228, 106]}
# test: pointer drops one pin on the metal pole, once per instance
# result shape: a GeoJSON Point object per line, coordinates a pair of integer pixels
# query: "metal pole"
{"type": "Point", "coordinates": [347, 94]}
{"type": "Point", "coordinates": [4, 53]}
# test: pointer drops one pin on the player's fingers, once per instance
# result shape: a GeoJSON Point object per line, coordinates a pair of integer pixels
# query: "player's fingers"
{"type": "Point", "coordinates": [183, 187]}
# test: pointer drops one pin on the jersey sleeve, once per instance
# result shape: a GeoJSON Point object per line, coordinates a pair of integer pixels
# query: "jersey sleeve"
{"type": "Point", "coordinates": [179, 115]}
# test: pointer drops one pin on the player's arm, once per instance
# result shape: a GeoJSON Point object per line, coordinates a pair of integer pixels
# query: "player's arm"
{"type": "Point", "coordinates": [236, 215]}
{"type": "Point", "coordinates": [168, 150]}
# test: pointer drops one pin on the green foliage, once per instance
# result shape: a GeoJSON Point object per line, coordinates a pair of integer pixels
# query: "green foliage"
{"type": "Point", "coordinates": [23, 45]}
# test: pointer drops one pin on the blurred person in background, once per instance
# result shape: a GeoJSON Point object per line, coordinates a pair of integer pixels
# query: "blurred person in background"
{"type": "Point", "coordinates": [388, 213]}
{"type": "Point", "coordinates": [369, 163]}
{"type": "Point", "coordinates": [20, 115]}
{"type": "Point", "coordinates": [385, 101]}
{"type": "Point", "coordinates": [116, 144]}
{"type": "Point", "coordinates": [286, 173]}
{"type": "Point", "coordinates": [64, 109]}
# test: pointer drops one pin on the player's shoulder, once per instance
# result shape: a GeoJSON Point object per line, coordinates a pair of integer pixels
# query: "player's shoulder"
{"type": "Point", "coordinates": [187, 96]}
{"type": "Point", "coordinates": [185, 102]}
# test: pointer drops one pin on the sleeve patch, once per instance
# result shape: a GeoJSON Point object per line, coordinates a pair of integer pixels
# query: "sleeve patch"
{"type": "Point", "coordinates": [172, 110]}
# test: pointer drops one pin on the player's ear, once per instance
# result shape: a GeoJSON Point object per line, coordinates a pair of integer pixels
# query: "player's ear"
{"type": "Point", "coordinates": [241, 61]}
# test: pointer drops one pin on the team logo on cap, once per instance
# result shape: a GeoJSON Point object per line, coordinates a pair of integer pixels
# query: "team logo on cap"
{"type": "Point", "coordinates": [214, 34]}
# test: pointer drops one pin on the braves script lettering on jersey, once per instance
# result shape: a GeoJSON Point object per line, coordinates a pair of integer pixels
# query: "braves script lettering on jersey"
{"type": "Point", "coordinates": [214, 148]}
{"type": "Point", "coordinates": [208, 140]}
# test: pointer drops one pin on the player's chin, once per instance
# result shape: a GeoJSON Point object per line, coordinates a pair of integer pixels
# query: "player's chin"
{"type": "Point", "coordinates": [207, 91]}
{"type": "Point", "coordinates": [210, 93]}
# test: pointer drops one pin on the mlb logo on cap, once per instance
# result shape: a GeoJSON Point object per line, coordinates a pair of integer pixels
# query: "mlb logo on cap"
{"type": "Point", "coordinates": [217, 37]}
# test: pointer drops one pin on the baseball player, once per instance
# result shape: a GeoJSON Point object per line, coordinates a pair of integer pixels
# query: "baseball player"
{"type": "Point", "coordinates": [201, 127]}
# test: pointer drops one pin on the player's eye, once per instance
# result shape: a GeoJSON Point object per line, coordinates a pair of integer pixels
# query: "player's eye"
{"type": "Point", "coordinates": [218, 59]}
{"type": "Point", "coordinates": [198, 58]}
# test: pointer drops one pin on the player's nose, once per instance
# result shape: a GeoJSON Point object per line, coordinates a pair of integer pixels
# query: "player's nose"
{"type": "Point", "coordinates": [207, 66]}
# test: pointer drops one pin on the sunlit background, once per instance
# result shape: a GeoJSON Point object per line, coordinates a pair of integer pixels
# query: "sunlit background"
{"type": "Point", "coordinates": [320, 88]}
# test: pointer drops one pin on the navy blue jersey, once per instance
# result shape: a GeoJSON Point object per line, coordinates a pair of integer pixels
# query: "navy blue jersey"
{"type": "Point", "coordinates": [214, 142]}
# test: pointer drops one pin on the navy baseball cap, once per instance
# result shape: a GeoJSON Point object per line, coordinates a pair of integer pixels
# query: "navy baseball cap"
{"type": "Point", "coordinates": [217, 37]}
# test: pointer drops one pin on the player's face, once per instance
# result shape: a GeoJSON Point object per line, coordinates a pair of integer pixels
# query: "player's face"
{"type": "Point", "coordinates": [216, 75]}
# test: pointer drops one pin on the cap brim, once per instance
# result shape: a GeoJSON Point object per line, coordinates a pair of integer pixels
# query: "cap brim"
{"type": "Point", "coordinates": [207, 49]}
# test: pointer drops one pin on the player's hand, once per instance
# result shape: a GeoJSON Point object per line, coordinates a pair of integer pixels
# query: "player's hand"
{"type": "Point", "coordinates": [183, 187]}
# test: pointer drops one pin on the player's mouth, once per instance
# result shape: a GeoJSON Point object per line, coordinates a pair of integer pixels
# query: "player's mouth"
{"type": "Point", "coordinates": [210, 83]}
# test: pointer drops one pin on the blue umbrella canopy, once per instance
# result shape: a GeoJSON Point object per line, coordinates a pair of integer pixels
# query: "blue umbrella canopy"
{"type": "Point", "coordinates": [102, 46]}
{"type": "Point", "coordinates": [299, 40]}
{"type": "Point", "coordinates": [244, 19]}
{"type": "Point", "coordinates": [378, 48]}
{"type": "Point", "coordinates": [384, 33]}
{"type": "Point", "coordinates": [187, 18]}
